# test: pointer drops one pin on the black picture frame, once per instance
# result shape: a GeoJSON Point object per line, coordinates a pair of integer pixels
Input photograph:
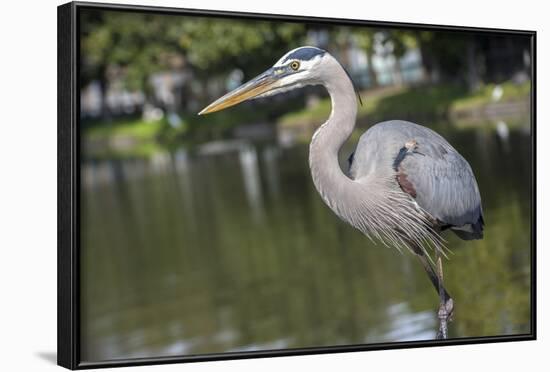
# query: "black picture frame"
{"type": "Point", "coordinates": [68, 319]}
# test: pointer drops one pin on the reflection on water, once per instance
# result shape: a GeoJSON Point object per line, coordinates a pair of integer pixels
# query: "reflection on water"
{"type": "Point", "coordinates": [231, 249]}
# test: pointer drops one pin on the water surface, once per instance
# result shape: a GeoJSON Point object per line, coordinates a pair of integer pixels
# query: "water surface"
{"type": "Point", "coordinates": [231, 249]}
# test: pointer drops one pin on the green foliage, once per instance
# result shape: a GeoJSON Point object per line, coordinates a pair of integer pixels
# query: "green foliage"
{"type": "Point", "coordinates": [419, 102]}
{"type": "Point", "coordinates": [129, 45]}
{"type": "Point", "coordinates": [136, 128]}
{"type": "Point", "coordinates": [222, 44]}
{"type": "Point", "coordinates": [135, 45]}
{"type": "Point", "coordinates": [124, 49]}
{"type": "Point", "coordinates": [401, 40]}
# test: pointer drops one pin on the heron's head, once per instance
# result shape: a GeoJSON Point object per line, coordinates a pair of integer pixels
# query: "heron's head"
{"type": "Point", "coordinates": [297, 68]}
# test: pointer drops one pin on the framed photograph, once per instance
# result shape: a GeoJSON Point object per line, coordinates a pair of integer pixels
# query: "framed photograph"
{"type": "Point", "coordinates": [236, 185]}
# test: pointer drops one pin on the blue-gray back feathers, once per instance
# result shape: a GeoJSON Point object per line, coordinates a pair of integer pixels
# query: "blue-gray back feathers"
{"type": "Point", "coordinates": [443, 182]}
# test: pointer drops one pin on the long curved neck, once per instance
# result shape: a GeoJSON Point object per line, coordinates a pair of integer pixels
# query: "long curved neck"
{"type": "Point", "coordinates": [327, 175]}
{"type": "Point", "coordinates": [374, 205]}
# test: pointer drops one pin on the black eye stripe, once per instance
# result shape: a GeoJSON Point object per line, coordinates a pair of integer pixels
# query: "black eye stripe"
{"type": "Point", "coordinates": [305, 53]}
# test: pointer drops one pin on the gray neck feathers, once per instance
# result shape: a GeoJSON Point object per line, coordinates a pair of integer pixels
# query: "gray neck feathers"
{"type": "Point", "coordinates": [333, 185]}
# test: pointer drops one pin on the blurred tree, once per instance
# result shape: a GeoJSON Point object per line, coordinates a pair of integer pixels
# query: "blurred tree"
{"type": "Point", "coordinates": [454, 57]}
{"type": "Point", "coordinates": [222, 45]}
{"type": "Point", "coordinates": [397, 42]}
{"type": "Point", "coordinates": [130, 47]}
{"type": "Point", "coordinates": [127, 47]}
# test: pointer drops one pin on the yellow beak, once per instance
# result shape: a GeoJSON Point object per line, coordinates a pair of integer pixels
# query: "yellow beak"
{"type": "Point", "coordinates": [260, 84]}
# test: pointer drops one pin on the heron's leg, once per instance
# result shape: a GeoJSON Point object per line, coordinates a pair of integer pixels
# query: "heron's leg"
{"type": "Point", "coordinates": [446, 304]}
{"type": "Point", "coordinates": [445, 301]}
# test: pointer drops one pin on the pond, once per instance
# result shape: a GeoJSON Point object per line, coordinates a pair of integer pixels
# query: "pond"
{"type": "Point", "coordinates": [230, 248]}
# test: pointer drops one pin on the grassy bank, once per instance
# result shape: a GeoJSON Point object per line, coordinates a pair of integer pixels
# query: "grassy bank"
{"type": "Point", "coordinates": [484, 95]}
{"type": "Point", "coordinates": [137, 137]}
{"type": "Point", "coordinates": [413, 103]}
{"type": "Point", "coordinates": [134, 134]}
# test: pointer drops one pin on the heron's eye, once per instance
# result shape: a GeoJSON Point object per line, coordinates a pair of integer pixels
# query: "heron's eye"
{"type": "Point", "coordinates": [295, 65]}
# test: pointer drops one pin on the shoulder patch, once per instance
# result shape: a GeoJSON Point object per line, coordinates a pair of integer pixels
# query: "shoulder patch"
{"type": "Point", "coordinates": [399, 158]}
{"type": "Point", "coordinates": [405, 184]}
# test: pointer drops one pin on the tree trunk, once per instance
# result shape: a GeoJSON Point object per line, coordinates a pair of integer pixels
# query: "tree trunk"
{"type": "Point", "coordinates": [429, 63]}
{"type": "Point", "coordinates": [103, 88]}
{"type": "Point", "coordinates": [472, 77]}
{"type": "Point", "coordinates": [397, 75]}
{"type": "Point", "coordinates": [373, 77]}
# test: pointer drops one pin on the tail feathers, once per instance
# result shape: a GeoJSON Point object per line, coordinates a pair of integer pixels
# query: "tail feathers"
{"type": "Point", "coordinates": [470, 231]}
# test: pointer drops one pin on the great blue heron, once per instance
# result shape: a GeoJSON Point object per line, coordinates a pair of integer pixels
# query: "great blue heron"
{"type": "Point", "coordinates": [406, 183]}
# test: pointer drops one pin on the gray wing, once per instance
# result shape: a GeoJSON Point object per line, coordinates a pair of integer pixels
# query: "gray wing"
{"type": "Point", "coordinates": [433, 173]}
{"type": "Point", "coordinates": [445, 187]}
